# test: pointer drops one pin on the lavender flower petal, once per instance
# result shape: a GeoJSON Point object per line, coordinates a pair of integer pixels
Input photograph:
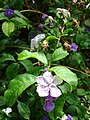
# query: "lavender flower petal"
{"type": "Point", "coordinates": [74, 47]}
{"type": "Point", "coordinates": [44, 16]}
{"type": "Point", "coordinates": [41, 81]}
{"type": "Point", "coordinates": [42, 91]}
{"type": "Point", "coordinates": [48, 76]}
{"type": "Point", "coordinates": [48, 106]}
{"type": "Point", "coordinates": [69, 117]}
{"type": "Point", "coordinates": [54, 91]}
{"type": "Point", "coordinates": [40, 26]}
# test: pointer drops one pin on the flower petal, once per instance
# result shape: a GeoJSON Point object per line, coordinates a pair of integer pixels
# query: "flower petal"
{"type": "Point", "coordinates": [41, 81]}
{"type": "Point", "coordinates": [48, 77]}
{"type": "Point", "coordinates": [48, 106]}
{"type": "Point", "coordinates": [54, 91]}
{"type": "Point", "coordinates": [42, 91]}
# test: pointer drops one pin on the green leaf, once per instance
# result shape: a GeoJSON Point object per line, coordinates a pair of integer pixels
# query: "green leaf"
{"type": "Point", "coordinates": [59, 54]}
{"type": "Point", "coordinates": [12, 70]}
{"type": "Point", "coordinates": [27, 64]}
{"type": "Point", "coordinates": [20, 20]}
{"type": "Point", "coordinates": [19, 14]}
{"type": "Point", "coordinates": [81, 92]}
{"type": "Point", "coordinates": [6, 57]}
{"type": "Point", "coordinates": [2, 16]}
{"type": "Point", "coordinates": [38, 55]}
{"type": "Point", "coordinates": [65, 74]}
{"type": "Point", "coordinates": [51, 38]}
{"type": "Point", "coordinates": [2, 101]}
{"type": "Point", "coordinates": [8, 28]}
{"type": "Point", "coordinates": [17, 86]}
{"type": "Point", "coordinates": [23, 110]}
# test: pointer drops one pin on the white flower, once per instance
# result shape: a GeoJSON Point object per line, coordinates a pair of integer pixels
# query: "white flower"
{"type": "Point", "coordinates": [35, 41]}
{"type": "Point", "coordinates": [65, 12]}
{"type": "Point", "coordinates": [7, 110]}
{"type": "Point", "coordinates": [74, 1]}
{"type": "Point", "coordinates": [50, 18]}
{"type": "Point", "coordinates": [88, 6]}
{"type": "Point", "coordinates": [64, 117]}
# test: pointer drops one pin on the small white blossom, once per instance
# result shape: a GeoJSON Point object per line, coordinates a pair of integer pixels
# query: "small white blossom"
{"type": "Point", "coordinates": [64, 117]}
{"type": "Point", "coordinates": [74, 1]}
{"type": "Point", "coordinates": [65, 12]}
{"type": "Point", "coordinates": [33, 1]}
{"type": "Point", "coordinates": [88, 6]}
{"type": "Point", "coordinates": [35, 41]}
{"type": "Point", "coordinates": [50, 18]}
{"type": "Point", "coordinates": [7, 110]}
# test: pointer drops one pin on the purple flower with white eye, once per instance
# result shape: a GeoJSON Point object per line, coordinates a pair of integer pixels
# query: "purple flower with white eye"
{"type": "Point", "coordinates": [44, 16]}
{"type": "Point", "coordinates": [69, 117]}
{"type": "Point", "coordinates": [8, 12]}
{"type": "Point", "coordinates": [47, 85]}
{"type": "Point", "coordinates": [40, 26]}
{"type": "Point", "coordinates": [73, 47]}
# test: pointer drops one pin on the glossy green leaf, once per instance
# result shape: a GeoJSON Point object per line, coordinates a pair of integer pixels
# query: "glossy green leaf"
{"type": "Point", "coordinates": [8, 28]}
{"type": "Point", "coordinates": [27, 64]}
{"type": "Point", "coordinates": [59, 54]}
{"type": "Point", "coordinates": [6, 57]}
{"type": "Point", "coordinates": [49, 38]}
{"type": "Point", "coordinates": [23, 110]}
{"type": "Point", "coordinates": [65, 74]}
{"type": "Point", "coordinates": [20, 20]}
{"type": "Point", "coordinates": [2, 16]}
{"type": "Point", "coordinates": [12, 70]}
{"type": "Point", "coordinates": [38, 55]}
{"type": "Point", "coordinates": [19, 14]}
{"type": "Point", "coordinates": [17, 86]}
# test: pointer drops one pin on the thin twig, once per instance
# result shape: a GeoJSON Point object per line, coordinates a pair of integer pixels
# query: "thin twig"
{"type": "Point", "coordinates": [36, 11]}
{"type": "Point", "coordinates": [78, 70]}
{"type": "Point", "coordinates": [17, 47]}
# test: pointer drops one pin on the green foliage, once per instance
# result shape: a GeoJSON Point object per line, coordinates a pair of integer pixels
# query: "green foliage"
{"type": "Point", "coordinates": [23, 110]}
{"type": "Point", "coordinates": [8, 28]}
{"type": "Point", "coordinates": [17, 86]}
{"type": "Point", "coordinates": [59, 54]}
{"type": "Point", "coordinates": [38, 55]}
{"type": "Point", "coordinates": [6, 57]}
{"type": "Point", "coordinates": [20, 65]}
{"type": "Point", "coordinates": [65, 74]}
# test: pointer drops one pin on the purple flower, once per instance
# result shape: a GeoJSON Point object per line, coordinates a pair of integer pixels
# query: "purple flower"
{"type": "Point", "coordinates": [8, 12]}
{"type": "Point", "coordinates": [86, 30]}
{"type": "Point", "coordinates": [69, 117]}
{"type": "Point", "coordinates": [48, 106]}
{"type": "Point", "coordinates": [45, 69]}
{"type": "Point", "coordinates": [44, 16]}
{"type": "Point", "coordinates": [40, 26]}
{"type": "Point", "coordinates": [45, 117]}
{"type": "Point", "coordinates": [73, 47]}
{"type": "Point", "coordinates": [47, 85]}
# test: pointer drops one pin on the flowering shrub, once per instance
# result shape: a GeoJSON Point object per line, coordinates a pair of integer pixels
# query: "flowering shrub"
{"type": "Point", "coordinates": [45, 60]}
